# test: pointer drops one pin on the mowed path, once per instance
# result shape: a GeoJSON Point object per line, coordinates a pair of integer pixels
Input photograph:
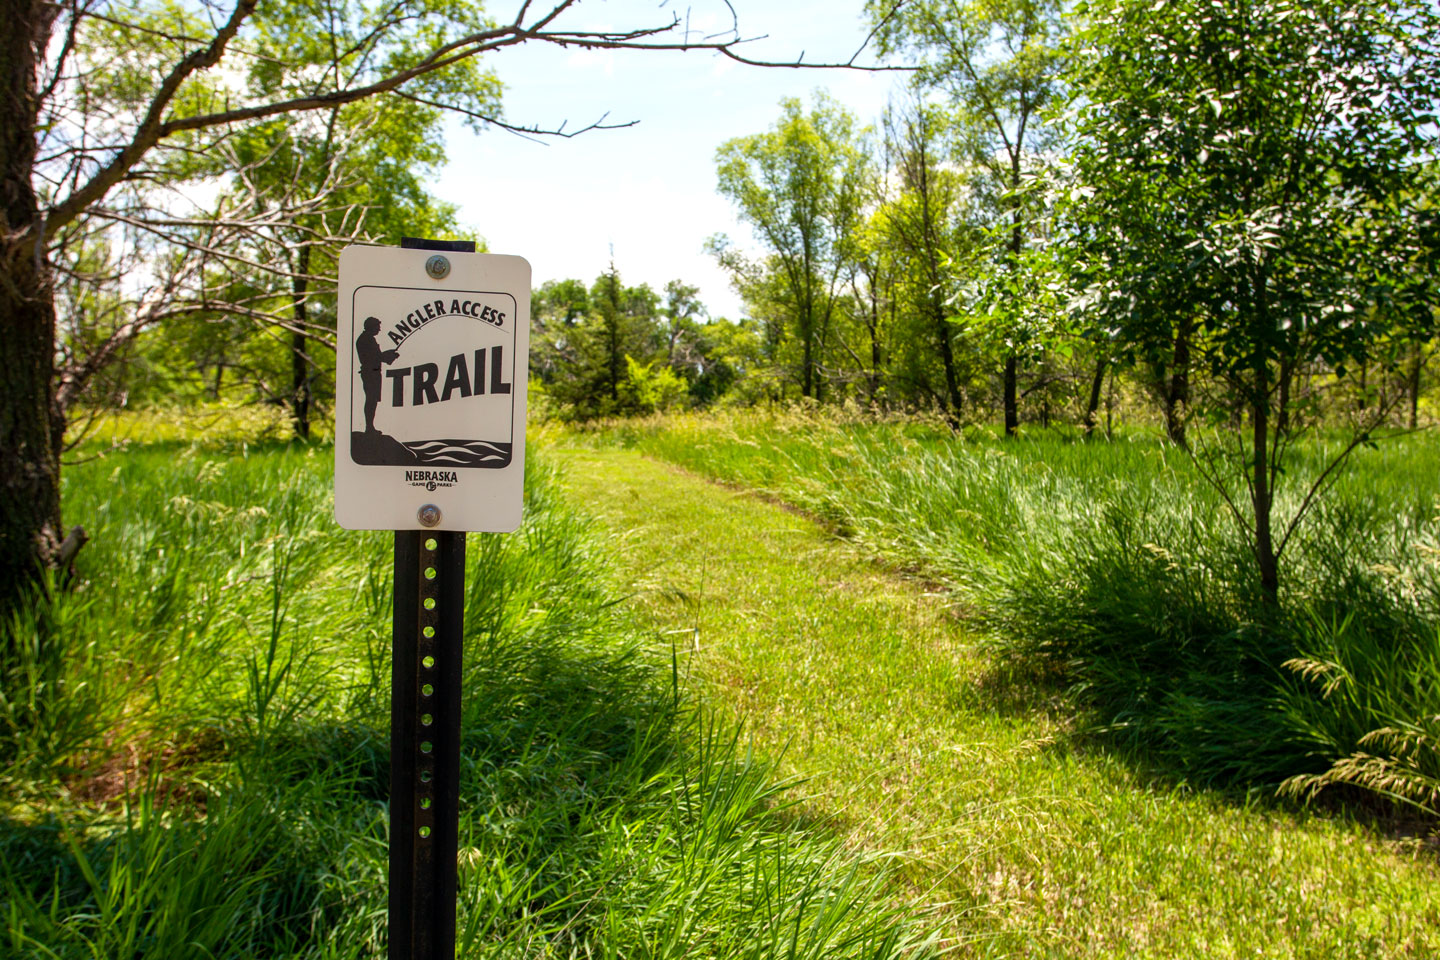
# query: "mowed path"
{"type": "Point", "coordinates": [909, 741]}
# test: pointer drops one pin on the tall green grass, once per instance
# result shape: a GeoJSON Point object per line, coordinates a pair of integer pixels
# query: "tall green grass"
{"type": "Point", "coordinates": [1112, 568]}
{"type": "Point", "coordinates": [196, 749]}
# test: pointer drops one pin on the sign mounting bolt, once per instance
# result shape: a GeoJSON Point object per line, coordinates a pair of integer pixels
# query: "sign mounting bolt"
{"type": "Point", "coordinates": [429, 515]}
{"type": "Point", "coordinates": [438, 267]}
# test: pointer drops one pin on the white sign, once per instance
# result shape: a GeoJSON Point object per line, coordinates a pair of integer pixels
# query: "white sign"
{"type": "Point", "coordinates": [430, 374]}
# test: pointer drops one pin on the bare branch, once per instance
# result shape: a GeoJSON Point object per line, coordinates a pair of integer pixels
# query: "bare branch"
{"type": "Point", "coordinates": [173, 37]}
{"type": "Point", "coordinates": [531, 133]}
{"type": "Point", "coordinates": [150, 131]}
{"type": "Point", "coordinates": [77, 10]}
{"type": "Point", "coordinates": [153, 128]}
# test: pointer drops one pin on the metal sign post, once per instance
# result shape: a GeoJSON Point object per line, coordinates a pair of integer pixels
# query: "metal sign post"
{"type": "Point", "coordinates": [425, 743]}
{"type": "Point", "coordinates": [430, 442]}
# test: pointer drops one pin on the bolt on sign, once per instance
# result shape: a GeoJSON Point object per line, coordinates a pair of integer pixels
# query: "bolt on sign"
{"type": "Point", "coordinates": [432, 352]}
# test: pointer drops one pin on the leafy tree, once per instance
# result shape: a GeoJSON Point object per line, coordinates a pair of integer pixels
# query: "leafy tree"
{"type": "Point", "coordinates": [801, 186]}
{"type": "Point", "coordinates": [872, 273]}
{"type": "Point", "coordinates": [649, 387]}
{"type": "Point", "coordinates": [722, 360]}
{"type": "Point", "coordinates": [596, 355]}
{"type": "Point", "coordinates": [556, 307]}
{"type": "Point", "coordinates": [997, 63]}
{"type": "Point", "coordinates": [1260, 167]}
{"type": "Point", "coordinates": [682, 311]}
{"type": "Point", "coordinates": [932, 237]}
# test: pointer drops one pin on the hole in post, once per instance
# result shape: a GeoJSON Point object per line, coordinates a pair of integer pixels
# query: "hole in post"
{"type": "Point", "coordinates": [429, 573]}
{"type": "Point", "coordinates": [430, 543]}
{"type": "Point", "coordinates": [428, 631]}
{"type": "Point", "coordinates": [426, 746]}
{"type": "Point", "coordinates": [427, 689]}
{"type": "Point", "coordinates": [426, 719]}
{"type": "Point", "coordinates": [429, 603]}
{"type": "Point", "coordinates": [425, 803]}
{"type": "Point", "coordinates": [424, 832]}
{"type": "Point", "coordinates": [425, 776]}
{"type": "Point", "coordinates": [428, 661]}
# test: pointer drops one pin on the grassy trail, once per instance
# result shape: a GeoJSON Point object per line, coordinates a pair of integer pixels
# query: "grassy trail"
{"type": "Point", "coordinates": [911, 741]}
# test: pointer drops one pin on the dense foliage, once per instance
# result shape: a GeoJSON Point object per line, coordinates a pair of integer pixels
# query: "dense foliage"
{"type": "Point", "coordinates": [1201, 205]}
{"type": "Point", "coordinates": [1222, 204]}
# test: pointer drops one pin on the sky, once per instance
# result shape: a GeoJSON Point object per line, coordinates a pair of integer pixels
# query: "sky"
{"type": "Point", "coordinates": [646, 192]}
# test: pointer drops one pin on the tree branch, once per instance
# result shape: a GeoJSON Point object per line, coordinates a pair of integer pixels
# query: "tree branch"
{"type": "Point", "coordinates": [150, 131]}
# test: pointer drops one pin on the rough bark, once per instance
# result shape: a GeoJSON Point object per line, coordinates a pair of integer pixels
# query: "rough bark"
{"type": "Point", "coordinates": [1093, 405]}
{"type": "Point", "coordinates": [1012, 402]}
{"type": "Point", "coordinates": [1177, 394]}
{"type": "Point", "coordinates": [299, 352]}
{"type": "Point", "coordinates": [31, 428]}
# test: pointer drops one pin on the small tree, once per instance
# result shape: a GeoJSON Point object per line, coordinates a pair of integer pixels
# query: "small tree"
{"type": "Point", "coordinates": [1261, 167]}
{"type": "Point", "coordinates": [801, 186]}
{"type": "Point", "coordinates": [932, 238]}
{"type": "Point", "coordinates": [997, 62]}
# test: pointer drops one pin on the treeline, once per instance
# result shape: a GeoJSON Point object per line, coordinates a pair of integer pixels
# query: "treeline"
{"type": "Point", "coordinates": [1222, 210]}
{"type": "Point", "coordinates": [608, 349]}
{"type": "Point", "coordinates": [1228, 209]}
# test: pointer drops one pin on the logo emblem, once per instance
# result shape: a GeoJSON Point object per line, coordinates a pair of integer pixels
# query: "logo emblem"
{"type": "Point", "coordinates": [434, 378]}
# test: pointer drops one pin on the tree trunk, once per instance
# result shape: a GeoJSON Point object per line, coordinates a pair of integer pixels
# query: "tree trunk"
{"type": "Point", "coordinates": [1413, 385]}
{"type": "Point", "coordinates": [1282, 406]}
{"type": "Point", "coordinates": [1110, 408]}
{"type": "Point", "coordinates": [943, 331]}
{"type": "Point", "coordinates": [1017, 243]}
{"type": "Point", "coordinates": [1012, 404]}
{"type": "Point", "coordinates": [1177, 396]}
{"type": "Point", "coordinates": [1094, 403]}
{"type": "Point", "coordinates": [613, 360]}
{"type": "Point", "coordinates": [299, 385]}
{"type": "Point", "coordinates": [874, 349]}
{"type": "Point", "coordinates": [807, 368]}
{"type": "Point", "coordinates": [1261, 494]}
{"type": "Point", "coordinates": [31, 426]}
{"type": "Point", "coordinates": [299, 359]}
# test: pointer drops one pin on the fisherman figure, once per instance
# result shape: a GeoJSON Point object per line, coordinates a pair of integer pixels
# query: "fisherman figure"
{"type": "Point", "coordinates": [367, 348]}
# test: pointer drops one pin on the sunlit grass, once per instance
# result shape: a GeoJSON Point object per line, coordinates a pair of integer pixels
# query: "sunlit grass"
{"type": "Point", "coordinates": [1116, 565]}
{"type": "Point", "coordinates": [204, 773]}
{"type": "Point", "coordinates": [1046, 828]}
{"type": "Point", "coordinates": [220, 423]}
